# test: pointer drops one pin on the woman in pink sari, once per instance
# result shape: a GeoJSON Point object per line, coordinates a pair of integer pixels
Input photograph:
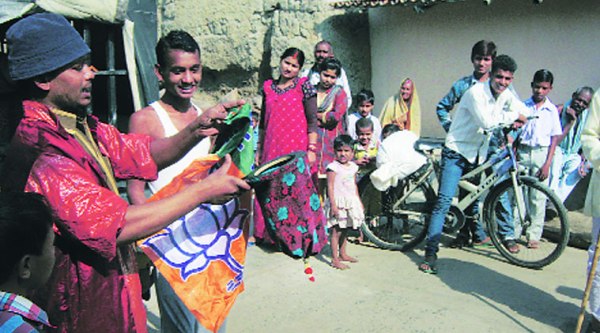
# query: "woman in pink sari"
{"type": "Point", "coordinates": [288, 121]}
{"type": "Point", "coordinates": [331, 108]}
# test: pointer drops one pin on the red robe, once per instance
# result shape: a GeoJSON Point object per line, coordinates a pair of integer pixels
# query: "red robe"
{"type": "Point", "coordinates": [94, 286]}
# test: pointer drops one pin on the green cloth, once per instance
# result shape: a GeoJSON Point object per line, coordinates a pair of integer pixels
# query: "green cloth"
{"type": "Point", "coordinates": [236, 138]}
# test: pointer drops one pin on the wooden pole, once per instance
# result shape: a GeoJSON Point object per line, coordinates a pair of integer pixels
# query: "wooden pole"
{"type": "Point", "coordinates": [588, 286]}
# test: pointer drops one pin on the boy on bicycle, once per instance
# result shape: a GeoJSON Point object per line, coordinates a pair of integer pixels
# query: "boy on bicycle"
{"type": "Point", "coordinates": [484, 105]}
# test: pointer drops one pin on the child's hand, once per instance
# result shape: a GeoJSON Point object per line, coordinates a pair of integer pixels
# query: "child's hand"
{"type": "Point", "coordinates": [543, 172]}
{"type": "Point", "coordinates": [312, 157]}
{"type": "Point", "coordinates": [362, 161]}
{"type": "Point", "coordinates": [335, 212]}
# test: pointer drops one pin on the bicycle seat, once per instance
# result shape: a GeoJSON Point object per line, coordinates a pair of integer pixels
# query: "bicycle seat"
{"type": "Point", "coordinates": [428, 145]}
{"type": "Point", "coordinates": [421, 171]}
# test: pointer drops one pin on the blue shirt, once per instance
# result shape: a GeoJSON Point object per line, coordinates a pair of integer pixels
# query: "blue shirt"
{"type": "Point", "coordinates": [452, 98]}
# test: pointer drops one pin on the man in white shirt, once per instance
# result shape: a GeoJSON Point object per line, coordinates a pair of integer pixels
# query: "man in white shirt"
{"type": "Point", "coordinates": [484, 105]}
{"type": "Point", "coordinates": [538, 142]}
{"type": "Point", "coordinates": [324, 50]}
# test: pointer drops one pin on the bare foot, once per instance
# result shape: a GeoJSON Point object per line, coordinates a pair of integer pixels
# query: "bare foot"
{"type": "Point", "coordinates": [355, 240]}
{"type": "Point", "coordinates": [348, 258]}
{"type": "Point", "coordinates": [339, 265]}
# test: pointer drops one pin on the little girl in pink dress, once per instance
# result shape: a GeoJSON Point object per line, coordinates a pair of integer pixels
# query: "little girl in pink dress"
{"type": "Point", "coordinates": [346, 208]}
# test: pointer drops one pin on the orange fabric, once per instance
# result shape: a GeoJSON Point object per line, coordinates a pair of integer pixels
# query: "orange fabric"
{"type": "Point", "coordinates": [197, 170]}
{"type": "Point", "coordinates": [208, 293]}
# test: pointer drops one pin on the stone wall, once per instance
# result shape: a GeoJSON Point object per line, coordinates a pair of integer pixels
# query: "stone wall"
{"type": "Point", "coordinates": [242, 40]}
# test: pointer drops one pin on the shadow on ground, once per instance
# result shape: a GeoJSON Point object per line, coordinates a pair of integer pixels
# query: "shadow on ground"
{"type": "Point", "coordinates": [490, 286]}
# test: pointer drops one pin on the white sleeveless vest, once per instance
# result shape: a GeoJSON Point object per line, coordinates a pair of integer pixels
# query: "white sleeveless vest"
{"type": "Point", "coordinates": [200, 150]}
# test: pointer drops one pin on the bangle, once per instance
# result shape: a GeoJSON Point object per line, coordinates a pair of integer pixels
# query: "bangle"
{"type": "Point", "coordinates": [312, 147]}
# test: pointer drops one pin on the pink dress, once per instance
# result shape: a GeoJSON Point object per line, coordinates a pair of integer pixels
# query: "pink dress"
{"type": "Point", "coordinates": [284, 119]}
{"type": "Point", "coordinates": [346, 196]}
{"type": "Point", "coordinates": [286, 125]}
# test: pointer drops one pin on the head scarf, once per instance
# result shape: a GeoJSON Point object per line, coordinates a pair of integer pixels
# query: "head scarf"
{"type": "Point", "coordinates": [396, 110]}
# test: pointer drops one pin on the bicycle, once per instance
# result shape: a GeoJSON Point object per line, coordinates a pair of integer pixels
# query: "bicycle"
{"type": "Point", "coordinates": [397, 218]}
{"type": "Point", "coordinates": [402, 224]}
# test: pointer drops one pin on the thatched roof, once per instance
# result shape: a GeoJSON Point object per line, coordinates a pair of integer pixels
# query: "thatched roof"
{"type": "Point", "coordinates": [383, 3]}
{"type": "Point", "coordinates": [377, 3]}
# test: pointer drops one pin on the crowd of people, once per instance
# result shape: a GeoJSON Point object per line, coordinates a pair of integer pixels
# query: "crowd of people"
{"type": "Point", "coordinates": [70, 161]}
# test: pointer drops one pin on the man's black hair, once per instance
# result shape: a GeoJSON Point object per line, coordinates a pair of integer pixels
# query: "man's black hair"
{"type": "Point", "coordinates": [175, 40]}
{"type": "Point", "coordinates": [25, 221]}
{"type": "Point", "coordinates": [505, 63]}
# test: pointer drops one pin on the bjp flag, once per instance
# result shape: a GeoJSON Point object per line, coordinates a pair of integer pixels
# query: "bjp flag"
{"type": "Point", "coordinates": [202, 254]}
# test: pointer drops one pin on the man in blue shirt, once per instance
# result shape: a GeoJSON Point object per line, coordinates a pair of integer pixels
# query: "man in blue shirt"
{"type": "Point", "coordinates": [569, 165]}
{"type": "Point", "coordinates": [483, 54]}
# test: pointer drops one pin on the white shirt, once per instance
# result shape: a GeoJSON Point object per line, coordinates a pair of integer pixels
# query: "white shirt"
{"type": "Point", "coordinates": [314, 77]}
{"type": "Point", "coordinates": [396, 159]}
{"type": "Point", "coordinates": [539, 132]}
{"type": "Point", "coordinates": [478, 109]}
{"type": "Point", "coordinates": [354, 117]}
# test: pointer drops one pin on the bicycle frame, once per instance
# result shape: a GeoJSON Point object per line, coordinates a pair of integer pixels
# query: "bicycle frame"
{"type": "Point", "coordinates": [414, 185]}
{"type": "Point", "coordinates": [505, 161]}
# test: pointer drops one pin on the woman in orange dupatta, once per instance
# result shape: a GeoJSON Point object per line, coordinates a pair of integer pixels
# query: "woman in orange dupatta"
{"type": "Point", "coordinates": [403, 109]}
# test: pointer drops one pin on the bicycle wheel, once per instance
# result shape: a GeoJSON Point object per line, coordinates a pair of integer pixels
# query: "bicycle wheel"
{"type": "Point", "coordinates": [404, 227]}
{"type": "Point", "coordinates": [505, 220]}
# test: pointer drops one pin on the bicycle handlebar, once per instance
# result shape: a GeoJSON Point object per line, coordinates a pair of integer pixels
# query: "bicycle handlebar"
{"type": "Point", "coordinates": [488, 130]}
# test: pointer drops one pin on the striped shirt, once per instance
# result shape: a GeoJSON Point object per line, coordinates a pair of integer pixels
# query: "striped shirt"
{"type": "Point", "coordinates": [20, 315]}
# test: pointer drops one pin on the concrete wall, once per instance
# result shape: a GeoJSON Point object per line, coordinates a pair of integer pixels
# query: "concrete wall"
{"type": "Point", "coordinates": [434, 47]}
{"type": "Point", "coordinates": [242, 40]}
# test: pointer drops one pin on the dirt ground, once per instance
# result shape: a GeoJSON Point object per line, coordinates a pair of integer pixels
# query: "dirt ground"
{"type": "Point", "coordinates": [475, 291]}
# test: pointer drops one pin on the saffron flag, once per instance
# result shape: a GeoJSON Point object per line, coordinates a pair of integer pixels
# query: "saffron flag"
{"type": "Point", "coordinates": [202, 254]}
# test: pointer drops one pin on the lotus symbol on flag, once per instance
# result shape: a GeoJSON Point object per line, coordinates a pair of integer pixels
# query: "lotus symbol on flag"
{"type": "Point", "coordinates": [200, 237]}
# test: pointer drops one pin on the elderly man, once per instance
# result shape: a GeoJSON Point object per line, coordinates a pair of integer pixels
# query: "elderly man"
{"type": "Point", "coordinates": [324, 50]}
{"type": "Point", "coordinates": [74, 160]}
{"type": "Point", "coordinates": [569, 165]}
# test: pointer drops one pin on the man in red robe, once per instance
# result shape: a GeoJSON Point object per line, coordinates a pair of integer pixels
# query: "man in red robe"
{"type": "Point", "coordinates": [72, 159]}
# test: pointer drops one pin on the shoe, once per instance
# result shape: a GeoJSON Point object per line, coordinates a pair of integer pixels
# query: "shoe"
{"type": "Point", "coordinates": [485, 243]}
{"type": "Point", "coordinates": [459, 242]}
{"type": "Point", "coordinates": [533, 244]}
{"type": "Point", "coordinates": [511, 246]}
{"type": "Point", "coordinates": [429, 265]}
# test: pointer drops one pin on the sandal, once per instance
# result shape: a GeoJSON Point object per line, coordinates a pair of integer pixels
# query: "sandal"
{"type": "Point", "coordinates": [484, 244]}
{"type": "Point", "coordinates": [429, 265]}
{"type": "Point", "coordinates": [512, 246]}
